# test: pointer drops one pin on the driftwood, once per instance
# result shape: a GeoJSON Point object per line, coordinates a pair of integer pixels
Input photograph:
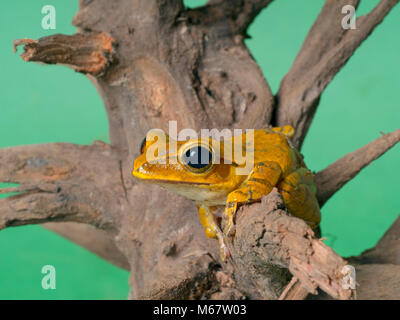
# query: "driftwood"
{"type": "Point", "coordinates": [155, 61]}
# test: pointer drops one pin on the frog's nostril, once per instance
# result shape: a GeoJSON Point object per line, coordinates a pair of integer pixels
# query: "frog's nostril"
{"type": "Point", "coordinates": [136, 166]}
{"type": "Point", "coordinates": [141, 169]}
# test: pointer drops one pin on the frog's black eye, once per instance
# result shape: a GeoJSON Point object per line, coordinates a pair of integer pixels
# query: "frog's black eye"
{"type": "Point", "coordinates": [142, 145]}
{"type": "Point", "coordinates": [198, 158]}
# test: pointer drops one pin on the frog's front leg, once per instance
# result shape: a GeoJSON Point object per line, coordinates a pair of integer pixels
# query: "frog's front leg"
{"type": "Point", "coordinates": [261, 180]}
{"type": "Point", "coordinates": [212, 230]}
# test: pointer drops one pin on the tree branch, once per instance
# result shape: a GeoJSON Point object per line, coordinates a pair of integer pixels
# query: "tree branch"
{"type": "Point", "coordinates": [87, 53]}
{"type": "Point", "coordinates": [268, 239]}
{"type": "Point", "coordinates": [95, 240]}
{"type": "Point", "coordinates": [56, 184]}
{"type": "Point", "coordinates": [35, 207]}
{"type": "Point", "coordinates": [239, 13]}
{"type": "Point", "coordinates": [336, 175]}
{"type": "Point", "coordinates": [316, 65]}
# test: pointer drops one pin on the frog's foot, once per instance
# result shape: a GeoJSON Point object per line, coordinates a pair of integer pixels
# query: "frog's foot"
{"type": "Point", "coordinates": [212, 230]}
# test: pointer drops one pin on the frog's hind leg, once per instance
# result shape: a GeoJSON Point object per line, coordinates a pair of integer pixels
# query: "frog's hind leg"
{"type": "Point", "coordinates": [212, 230]}
{"type": "Point", "coordinates": [262, 179]}
{"type": "Point", "coordinates": [298, 192]}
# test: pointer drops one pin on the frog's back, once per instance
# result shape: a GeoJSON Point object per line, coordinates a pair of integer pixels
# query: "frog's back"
{"type": "Point", "coordinates": [296, 185]}
{"type": "Point", "coordinates": [275, 146]}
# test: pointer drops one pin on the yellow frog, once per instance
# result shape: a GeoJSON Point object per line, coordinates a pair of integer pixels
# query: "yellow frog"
{"type": "Point", "coordinates": [213, 174]}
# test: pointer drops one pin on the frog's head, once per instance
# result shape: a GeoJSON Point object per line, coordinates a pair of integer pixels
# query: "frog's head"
{"type": "Point", "coordinates": [190, 168]}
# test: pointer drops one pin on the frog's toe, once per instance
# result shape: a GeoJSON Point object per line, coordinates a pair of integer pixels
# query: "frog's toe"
{"type": "Point", "coordinates": [230, 231]}
{"type": "Point", "coordinates": [224, 253]}
{"type": "Point", "coordinates": [229, 228]}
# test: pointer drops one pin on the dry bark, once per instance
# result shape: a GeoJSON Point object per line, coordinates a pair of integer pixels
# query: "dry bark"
{"type": "Point", "coordinates": [89, 53]}
{"type": "Point", "coordinates": [377, 269]}
{"type": "Point", "coordinates": [268, 236]}
{"type": "Point", "coordinates": [153, 61]}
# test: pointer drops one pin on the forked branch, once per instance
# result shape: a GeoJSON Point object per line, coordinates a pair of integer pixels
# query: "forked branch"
{"type": "Point", "coordinates": [56, 183]}
{"type": "Point", "coordinates": [325, 51]}
{"type": "Point", "coordinates": [336, 175]}
{"type": "Point", "coordinates": [240, 14]}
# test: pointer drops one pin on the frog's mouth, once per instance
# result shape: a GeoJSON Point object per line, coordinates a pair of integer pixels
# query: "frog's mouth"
{"type": "Point", "coordinates": [149, 179]}
{"type": "Point", "coordinates": [162, 181]}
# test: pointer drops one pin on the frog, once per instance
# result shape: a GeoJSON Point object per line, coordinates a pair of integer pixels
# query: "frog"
{"type": "Point", "coordinates": [202, 170]}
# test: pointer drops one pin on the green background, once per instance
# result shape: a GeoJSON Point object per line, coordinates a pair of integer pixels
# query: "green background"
{"type": "Point", "coordinates": [36, 106]}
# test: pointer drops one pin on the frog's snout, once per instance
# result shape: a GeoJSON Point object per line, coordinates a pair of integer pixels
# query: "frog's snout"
{"type": "Point", "coordinates": [137, 168]}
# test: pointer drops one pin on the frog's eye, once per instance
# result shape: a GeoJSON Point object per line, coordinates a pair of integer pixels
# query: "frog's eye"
{"type": "Point", "coordinates": [197, 158]}
{"type": "Point", "coordinates": [142, 145]}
